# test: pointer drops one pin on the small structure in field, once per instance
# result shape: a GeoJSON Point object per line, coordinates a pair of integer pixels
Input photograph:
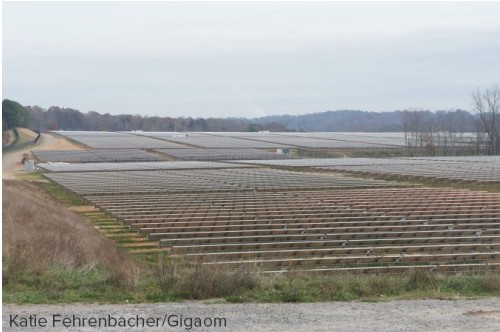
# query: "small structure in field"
{"type": "Point", "coordinates": [29, 165]}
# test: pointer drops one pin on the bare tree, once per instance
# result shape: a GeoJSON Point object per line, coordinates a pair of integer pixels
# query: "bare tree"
{"type": "Point", "coordinates": [414, 126]}
{"type": "Point", "coordinates": [450, 131]}
{"type": "Point", "coordinates": [487, 105]}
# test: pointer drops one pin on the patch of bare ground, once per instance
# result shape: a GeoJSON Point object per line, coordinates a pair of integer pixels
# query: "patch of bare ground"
{"type": "Point", "coordinates": [28, 134]}
{"type": "Point", "coordinates": [58, 142]}
{"type": "Point", "coordinates": [11, 161]}
{"type": "Point", "coordinates": [84, 208]}
{"type": "Point", "coordinates": [493, 313]}
{"type": "Point", "coordinates": [39, 233]}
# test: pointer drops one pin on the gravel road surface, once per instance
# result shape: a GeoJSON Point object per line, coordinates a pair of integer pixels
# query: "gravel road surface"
{"type": "Point", "coordinates": [421, 315]}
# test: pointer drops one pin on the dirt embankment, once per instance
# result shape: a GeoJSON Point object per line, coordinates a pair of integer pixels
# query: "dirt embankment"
{"type": "Point", "coordinates": [7, 138]}
{"type": "Point", "coordinates": [39, 233]}
{"type": "Point", "coordinates": [18, 136]}
{"type": "Point", "coordinates": [27, 134]}
{"type": "Point", "coordinates": [11, 161]}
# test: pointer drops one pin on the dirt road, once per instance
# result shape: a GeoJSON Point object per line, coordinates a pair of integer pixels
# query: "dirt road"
{"type": "Point", "coordinates": [11, 161]}
{"type": "Point", "coordinates": [423, 315]}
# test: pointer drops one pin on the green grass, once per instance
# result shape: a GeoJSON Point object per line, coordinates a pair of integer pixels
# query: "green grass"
{"type": "Point", "coordinates": [411, 285]}
{"type": "Point", "coordinates": [60, 285]}
{"type": "Point", "coordinates": [35, 176]}
{"type": "Point", "coordinates": [59, 193]}
{"type": "Point", "coordinates": [171, 283]}
{"type": "Point", "coordinates": [490, 187]}
{"type": "Point", "coordinates": [351, 153]}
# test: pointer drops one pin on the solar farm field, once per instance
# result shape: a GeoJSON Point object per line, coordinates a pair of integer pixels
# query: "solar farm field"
{"type": "Point", "coordinates": [344, 229]}
{"type": "Point", "coordinates": [299, 214]}
{"type": "Point", "coordinates": [135, 166]}
{"type": "Point", "coordinates": [278, 140]}
{"type": "Point", "coordinates": [235, 140]}
{"type": "Point", "coordinates": [196, 180]}
{"type": "Point", "coordinates": [484, 169]}
{"type": "Point", "coordinates": [94, 155]}
{"type": "Point", "coordinates": [222, 154]}
{"type": "Point", "coordinates": [116, 140]}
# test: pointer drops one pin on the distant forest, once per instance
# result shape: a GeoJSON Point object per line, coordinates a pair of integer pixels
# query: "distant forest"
{"type": "Point", "coordinates": [57, 118]}
{"type": "Point", "coordinates": [423, 129]}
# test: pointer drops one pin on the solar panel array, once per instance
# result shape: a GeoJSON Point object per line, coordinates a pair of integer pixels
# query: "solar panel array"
{"type": "Point", "coordinates": [101, 140]}
{"type": "Point", "coordinates": [322, 140]}
{"type": "Point", "coordinates": [325, 139]}
{"type": "Point", "coordinates": [480, 169]}
{"type": "Point", "coordinates": [222, 154]}
{"type": "Point", "coordinates": [95, 155]}
{"type": "Point", "coordinates": [317, 162]}
{"type": "Point", "coordinates": [393, 139]}
{"type": "Point", "coordinates": [240, 179]}
{"type": "Point", "coordinates": [277, 140]}
{"type": "Point", "coordinates": [368, 229]}
{"type": "Point", "coordinates": [469, 172]}
{"type": "Point", "coordinates": [326, 142]}
{"type": "Point", "coordinates": [131, 166]}
{"type": "Point", "coordinates": [222, 142]}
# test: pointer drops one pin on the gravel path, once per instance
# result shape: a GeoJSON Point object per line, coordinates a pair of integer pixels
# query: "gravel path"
{"type": "Point", "coordinates": [422, 315]}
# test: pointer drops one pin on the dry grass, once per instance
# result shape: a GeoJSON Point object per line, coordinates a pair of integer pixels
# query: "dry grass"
{"type": "Point", "coordinates": [7, 137]}
{"type": "Point", "coordinates": [193, 280]}
{"type": "Point", "coordinates": [181, 279]}
{"type": "Point", "coordinates": [40, 234]}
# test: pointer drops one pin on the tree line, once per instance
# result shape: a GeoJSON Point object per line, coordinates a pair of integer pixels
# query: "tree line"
{"type": "Point", "coordinates": [455, 132]}
{"type": "Point", "coordinates": [441, 132]}
{"type": "Point", "coordinates": [58, 118]}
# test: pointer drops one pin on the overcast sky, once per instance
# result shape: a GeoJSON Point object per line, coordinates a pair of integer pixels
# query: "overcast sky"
{"type": "Point", "coordinates": [248, 59]}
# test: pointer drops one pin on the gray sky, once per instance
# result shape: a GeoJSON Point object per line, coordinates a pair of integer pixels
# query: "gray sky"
{"type": "Point", "coordinates": [248, 59]}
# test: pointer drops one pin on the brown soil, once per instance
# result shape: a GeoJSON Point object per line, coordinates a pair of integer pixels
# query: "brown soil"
{"type": "Point", "coordinates": [82, 209]}
{"type": "Point", "coordinates": [11, 161]}
{"type": "Point", "coordinates": [495, 313]}
{"type": "Point", "coordinates": [28, 134]}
